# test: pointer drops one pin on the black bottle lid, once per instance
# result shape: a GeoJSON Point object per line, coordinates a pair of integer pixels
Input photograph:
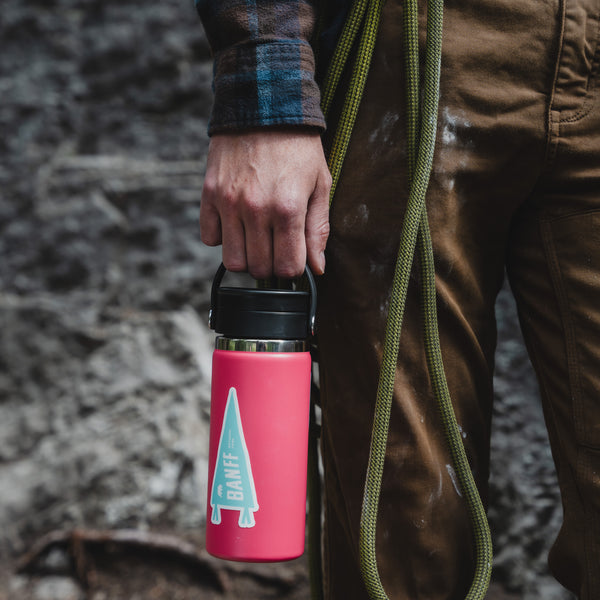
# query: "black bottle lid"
{"type": "Point", "coordinates": [264, 314]}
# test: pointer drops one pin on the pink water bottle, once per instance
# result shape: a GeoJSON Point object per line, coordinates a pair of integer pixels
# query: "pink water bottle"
{"type": "Point", "coordinates": [260, 405]}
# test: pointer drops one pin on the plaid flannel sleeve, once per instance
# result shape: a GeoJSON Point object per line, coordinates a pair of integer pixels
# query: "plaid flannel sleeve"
{"type": "Point", "coordinates": [263, 63]}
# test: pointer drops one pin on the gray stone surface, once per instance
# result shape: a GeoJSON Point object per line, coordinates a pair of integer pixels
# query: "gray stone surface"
{"type": "Point", "coordinates": [525, 510]}
{"type": "Point", "coordinates": [104, 350]}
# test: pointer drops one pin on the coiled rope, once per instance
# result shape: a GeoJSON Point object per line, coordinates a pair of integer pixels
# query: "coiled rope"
{"type": "Point", "coordinates": [362, 23]}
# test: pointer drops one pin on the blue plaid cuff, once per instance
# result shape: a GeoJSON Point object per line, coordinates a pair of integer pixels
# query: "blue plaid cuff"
{"type": "Point", "coordinates": [265, 83]}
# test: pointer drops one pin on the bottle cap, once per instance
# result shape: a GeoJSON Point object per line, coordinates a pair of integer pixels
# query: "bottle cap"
{"type": "Point", "coordinates": [264, 314]}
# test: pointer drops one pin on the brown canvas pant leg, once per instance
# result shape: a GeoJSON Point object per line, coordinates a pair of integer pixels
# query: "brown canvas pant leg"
{"type": "Point", "coordinates": [554, 264]}
{"type": "Point", "coordinates": [498, 73]}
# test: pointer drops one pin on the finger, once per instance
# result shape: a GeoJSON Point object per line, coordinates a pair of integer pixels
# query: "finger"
{"type": "Point", "coordinates": [254, 209]}
{"type": "Point", "coordinates": [317, 225]}
{"type": "Point", "coordinates": [259, 251]}
{"type": "Point", "coordinates": [234, 245]}
{"type": "Point", "coordinates": [210, 224]}
{"type": "Point", "coordinates": [289, 245]}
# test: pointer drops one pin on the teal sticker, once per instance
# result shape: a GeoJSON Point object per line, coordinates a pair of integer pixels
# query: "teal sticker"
{"type": "Point", "coordinates": [233, 484]}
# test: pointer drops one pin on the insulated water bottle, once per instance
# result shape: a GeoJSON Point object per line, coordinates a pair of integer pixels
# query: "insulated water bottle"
{"type": "Point", "coordinates": [260, 406]}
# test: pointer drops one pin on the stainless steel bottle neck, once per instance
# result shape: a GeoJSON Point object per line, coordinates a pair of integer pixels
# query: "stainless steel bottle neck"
{"type": "Point", "coordinates": [240, 345]}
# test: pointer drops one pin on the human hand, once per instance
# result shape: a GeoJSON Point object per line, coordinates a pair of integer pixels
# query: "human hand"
{"type": "Point", "coordinates": [266, 199]}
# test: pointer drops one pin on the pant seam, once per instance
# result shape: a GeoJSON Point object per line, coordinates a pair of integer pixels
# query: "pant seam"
{"type": "Point", "coordinates": [553, 116]}
{"type": "Point", "coordinates": [581, 464]}
{"type": "Point", "coordinates": [547, 405]}
{"type": "Point", "coordinates": [570, 343]}
{"type": "Point", "coordinates": [552, 138]}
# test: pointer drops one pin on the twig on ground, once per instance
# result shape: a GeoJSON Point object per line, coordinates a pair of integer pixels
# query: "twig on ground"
{"type": "Point", "coordinates": [76, 541]}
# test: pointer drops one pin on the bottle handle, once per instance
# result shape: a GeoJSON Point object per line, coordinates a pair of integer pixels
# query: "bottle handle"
{"type": "Point", "coordinates": [311, 284]}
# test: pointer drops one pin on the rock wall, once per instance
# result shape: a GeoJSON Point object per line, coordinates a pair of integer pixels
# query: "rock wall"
{"type": "Point", "coordinates": [104, 351]}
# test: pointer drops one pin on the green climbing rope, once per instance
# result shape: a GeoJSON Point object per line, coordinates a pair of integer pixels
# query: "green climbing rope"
{"type": "Point", "coordinates": [365, 13]}
{"type": "Point", "coordinates": [421, 131]}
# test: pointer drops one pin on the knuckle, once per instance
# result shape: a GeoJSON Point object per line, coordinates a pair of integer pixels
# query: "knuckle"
{"type": "Point", "coordinates": [209, 238]}
{"type": "Point", "coordinates": [290, 271]}
{"type": "Point", "coordinates": [260, 271]}
{"type": "Point", "coordinates": [291, 263]}
{"type": "Point", "coordinates": [287, 213]}
{"type": "Point", "coordinates": [254, 207]}
{"type": "Point", "coordinates": [235, 264]}
{"type": "Point", "coordinates": [229, 200]}
{"type": "Point", "coordinates": [323, 230]}
{"type": "Point", "coordinates": [209, 187]}
{"type": "Point", "coordinates": [210, 227]}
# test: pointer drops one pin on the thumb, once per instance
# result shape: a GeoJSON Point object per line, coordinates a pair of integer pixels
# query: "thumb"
{"type": "Point", "coordinates": [317, 224]}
